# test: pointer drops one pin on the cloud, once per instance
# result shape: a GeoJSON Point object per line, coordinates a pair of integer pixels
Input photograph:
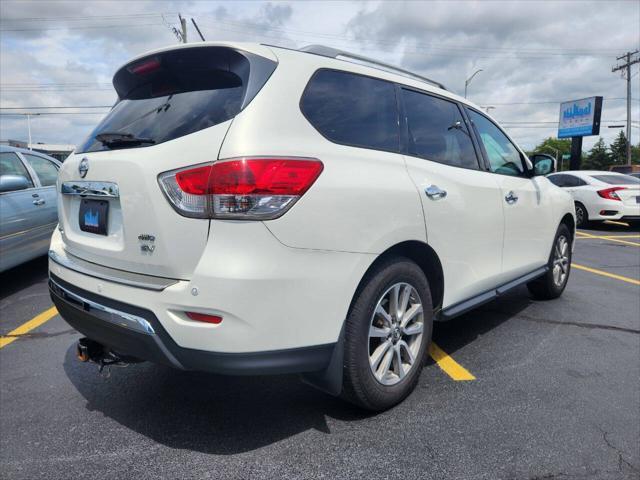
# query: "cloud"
{"type": "Point", "coordinates": [528, 51]}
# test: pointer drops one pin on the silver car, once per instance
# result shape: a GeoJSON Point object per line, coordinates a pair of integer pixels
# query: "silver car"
{"type": "Point", "coordinates": [28, 204]}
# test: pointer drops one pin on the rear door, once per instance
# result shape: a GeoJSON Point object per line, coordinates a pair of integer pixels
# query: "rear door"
{"type": "Point", "coordinates": [528, 212]}
{"type": "Point", "coordinates": [174, 110]}
{"type": "Point", "coordinates": [19, 217]}
{"type": "Point", "coordinates": [46, 172]}
{"type": "Point", "coordinates": [461, 202]}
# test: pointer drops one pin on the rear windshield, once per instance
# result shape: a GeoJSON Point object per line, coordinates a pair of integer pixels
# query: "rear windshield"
{"type": "Point", "coordinates": [175, 93]}
{"type": "Point", "coordinates": [617, 179]}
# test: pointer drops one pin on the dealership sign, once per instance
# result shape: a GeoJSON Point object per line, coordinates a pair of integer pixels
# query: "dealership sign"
{"type": "Point", "coordinates": [579, 118]}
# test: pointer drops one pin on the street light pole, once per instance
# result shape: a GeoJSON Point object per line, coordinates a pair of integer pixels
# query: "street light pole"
{"type": "Point", "coordinates": [29, 128]}
{"type": "Point", "coordinates": [468, 81]}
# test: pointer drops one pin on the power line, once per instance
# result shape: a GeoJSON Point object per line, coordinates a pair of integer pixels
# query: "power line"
{"type": "Point", "coordinates": [61, 107]}
{"type": "Point", "coordinates": [91, 27]}
{"type": "Point", "coordinates": [85, 17]}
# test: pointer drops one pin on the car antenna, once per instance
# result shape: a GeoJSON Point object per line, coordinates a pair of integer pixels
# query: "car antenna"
{"type": "Point", "coordinates": [197, 29]}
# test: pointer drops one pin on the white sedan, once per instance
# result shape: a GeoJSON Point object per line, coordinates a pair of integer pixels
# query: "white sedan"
{"type": "Point", "coordinates": [601, 195]}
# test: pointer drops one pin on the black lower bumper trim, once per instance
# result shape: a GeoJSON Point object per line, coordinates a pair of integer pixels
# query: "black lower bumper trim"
{"type": "Point", "coordinates": [159, 347]}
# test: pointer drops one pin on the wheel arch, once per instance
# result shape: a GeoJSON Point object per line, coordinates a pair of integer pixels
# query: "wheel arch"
{"type": "Point", "coordinates": [570, 222]}
{"type": "Point", "coordinates": [424, 256]}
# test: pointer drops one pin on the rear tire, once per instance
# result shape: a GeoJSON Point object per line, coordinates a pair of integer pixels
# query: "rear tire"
{"type": "Point", "coordinates": [582, 216]}
{"type": "Point", "coordinates": [552, 284]}
{"type": "Point", "coordinates": [387, 332]}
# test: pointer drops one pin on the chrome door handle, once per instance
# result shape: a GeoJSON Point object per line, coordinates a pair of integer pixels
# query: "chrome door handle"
{"type": "Point", "coordinates": [434, 192]}
{"type": "Point", "coordinates": [511, 198]}
{"type": "Point", "coordinates": [39, 202]}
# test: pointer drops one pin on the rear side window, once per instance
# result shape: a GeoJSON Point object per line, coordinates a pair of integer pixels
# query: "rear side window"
{"type": "Point", "coordinates": [176, 93]}
{"type": "Point", "coordinates": [353, 109]}
{"type": "Point", "coordinates": [10, 164]}
{"type": "Point", "coordinates": [437, 131]}
{"type": "Point", "coordinates": [46, 170]}
{"type": "Point", "coordinates": [559, 180]}
{"type": "Point", "coordinates": [617, 179]}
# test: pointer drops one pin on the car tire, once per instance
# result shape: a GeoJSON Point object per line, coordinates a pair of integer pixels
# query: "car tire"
{"type": "Point", "coordinates": [552, 284]}
{"type": "Point", "coordinates": [582, 216]}
{"type": "Point", "coordinates": [380, 371]}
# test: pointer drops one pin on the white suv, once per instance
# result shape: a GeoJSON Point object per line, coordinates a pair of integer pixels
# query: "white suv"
{"type": "Point", "coordinates": [249, 209]}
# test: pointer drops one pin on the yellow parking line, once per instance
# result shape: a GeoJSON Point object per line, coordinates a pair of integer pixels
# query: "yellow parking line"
{"type": "Point", "coordinates": [35, 322]}
{"type": "Point", "coordinates": [606, 274]}
{"type": "Point", "coordinates": [607, 237]}
{"type": "Point", "coordinates": [448, 364]}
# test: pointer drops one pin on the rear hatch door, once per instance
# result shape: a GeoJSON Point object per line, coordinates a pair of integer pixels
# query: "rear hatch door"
{"type": "Point", "coordinates": [174, 109]}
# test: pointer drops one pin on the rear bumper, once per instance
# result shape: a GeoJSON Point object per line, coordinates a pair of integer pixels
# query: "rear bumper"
{"type": "Point", "coordinates": [137, 332]}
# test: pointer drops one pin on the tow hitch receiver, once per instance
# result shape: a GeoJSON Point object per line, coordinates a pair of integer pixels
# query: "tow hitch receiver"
{"type": "Point", "coordinates": [88, 350]}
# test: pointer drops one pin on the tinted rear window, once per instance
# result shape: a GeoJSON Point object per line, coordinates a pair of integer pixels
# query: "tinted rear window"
{"type": "Point", "coordinates": [176, 93]}
{"type": "Point", "coordinates": [352, 109]}
{"type": "Point", "coordinates": [437, 131]}
{"type": "Point", "coordinates": [617, 179]}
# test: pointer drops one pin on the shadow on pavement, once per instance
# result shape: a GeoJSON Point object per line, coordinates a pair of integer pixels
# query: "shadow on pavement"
{"type": "Point", "coordinates": [613, 228]}
{"type": "Point", "coordinates": [230, 415]}
{"type": "Point", "coordinates": [204, 412]}
{"type": "Point", "coordinates": [465, 329]}
{"type": "Point", "coordinates": [23, 276]}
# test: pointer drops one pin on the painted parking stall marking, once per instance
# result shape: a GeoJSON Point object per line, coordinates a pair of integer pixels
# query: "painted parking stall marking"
{"type": "Point", "coordinates": [448, 364]}
{"type": "Point", "coordinates": [622, 278]}
{"type": "Point", "coordinates": [25, 328]}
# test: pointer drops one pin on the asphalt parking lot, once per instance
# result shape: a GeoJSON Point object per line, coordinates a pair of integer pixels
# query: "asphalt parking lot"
{"type": "Point", "coordinates": [521, 390]}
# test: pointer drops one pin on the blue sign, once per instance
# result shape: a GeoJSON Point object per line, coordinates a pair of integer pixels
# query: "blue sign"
{"type": "Point", "coordinates": [579, 118]}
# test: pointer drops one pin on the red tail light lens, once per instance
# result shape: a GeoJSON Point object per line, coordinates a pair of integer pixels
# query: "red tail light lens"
{"type": "Point", "coordinates": [610, 193]}
{"type": "Point", "coordinates": [244, 188]}
{"type": "Point", "coordinates": [145, 67]}
{"type": "Point", "coordinates": [203, 317]}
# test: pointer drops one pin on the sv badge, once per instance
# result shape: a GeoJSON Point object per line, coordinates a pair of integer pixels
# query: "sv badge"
{"type": "Point", "coordinates": [147, 247]}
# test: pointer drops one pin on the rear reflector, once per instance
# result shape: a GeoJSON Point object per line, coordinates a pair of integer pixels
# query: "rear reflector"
{"type": "Point", "coordinates": [610, 193]}
{"type": "Point", "coordinates": [243, 188]}
{"type": "Point", "coordinates": [202, 317]}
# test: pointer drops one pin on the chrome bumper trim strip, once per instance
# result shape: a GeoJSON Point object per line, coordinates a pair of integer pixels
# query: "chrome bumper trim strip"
{"type": "Point", "coordinates": [131, 279]}
{"type": "Point", "coordinates": [122, 319]}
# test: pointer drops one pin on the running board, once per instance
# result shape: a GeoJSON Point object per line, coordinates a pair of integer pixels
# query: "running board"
{"type": "Point", "coordinates": [466, 305]}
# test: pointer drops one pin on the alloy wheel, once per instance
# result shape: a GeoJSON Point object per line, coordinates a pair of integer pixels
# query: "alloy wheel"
{"type": "Point", "coordinates": [560, 261]}
{"type": "Point", "coordinates": [395, 333]}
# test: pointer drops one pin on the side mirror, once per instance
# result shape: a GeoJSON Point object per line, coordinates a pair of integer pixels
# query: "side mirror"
{"type": "Point", "coordinates": [9, 183]}
{"type": "Point", "coordinates": [543, 164]}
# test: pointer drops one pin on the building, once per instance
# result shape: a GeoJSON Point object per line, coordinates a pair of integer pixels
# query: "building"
{"type": "Point", "coordinates": [57, 151]}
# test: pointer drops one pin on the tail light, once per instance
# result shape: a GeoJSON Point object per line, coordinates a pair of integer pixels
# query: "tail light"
{"type": "Point", "coordinates": [610, 193]}
{"type": "Point", "coordinates": [240, 188]}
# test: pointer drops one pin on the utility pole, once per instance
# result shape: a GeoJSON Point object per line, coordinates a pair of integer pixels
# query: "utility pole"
{"type": "Point", "coordinates": [183, 25]}
{"type": "Point", "coordinates": [622, 67]}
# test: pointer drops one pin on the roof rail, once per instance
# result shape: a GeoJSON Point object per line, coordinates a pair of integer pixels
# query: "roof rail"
{"type": "Point", "coordinates": [369, 62]}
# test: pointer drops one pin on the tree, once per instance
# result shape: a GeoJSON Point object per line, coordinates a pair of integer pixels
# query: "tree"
{"type": "Point", "coordinates": [635, 154]}
{"type": "Point", "coordinates": [555, 146]}
{"type": "Point", "coordinates": [598, 157]}
{"type": "Point", "coordinates": [619, 149]}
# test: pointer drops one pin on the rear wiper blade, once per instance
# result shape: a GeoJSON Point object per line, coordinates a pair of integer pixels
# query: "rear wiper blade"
{"type": "Point", "coordinates": [119, 138]}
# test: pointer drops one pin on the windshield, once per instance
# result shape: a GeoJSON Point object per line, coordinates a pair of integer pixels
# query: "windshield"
{"type": "Point", "coordinates": [172, 94]}
{"type": "Point", "coordinates": [617, 179]}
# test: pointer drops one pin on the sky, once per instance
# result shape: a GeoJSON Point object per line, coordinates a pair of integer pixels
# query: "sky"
{"type": "Point", "coordinates": [532, 54]}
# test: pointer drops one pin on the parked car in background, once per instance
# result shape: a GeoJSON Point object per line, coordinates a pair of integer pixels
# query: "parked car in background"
{"type": "Point", "coordinates": [601, 195]}
{"type": "Point", "coordinates": [628, 169]}
{"type": "Point", "coordinates": [248, 209]}
{"type": "Point", "coordinates": [28, 204]}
